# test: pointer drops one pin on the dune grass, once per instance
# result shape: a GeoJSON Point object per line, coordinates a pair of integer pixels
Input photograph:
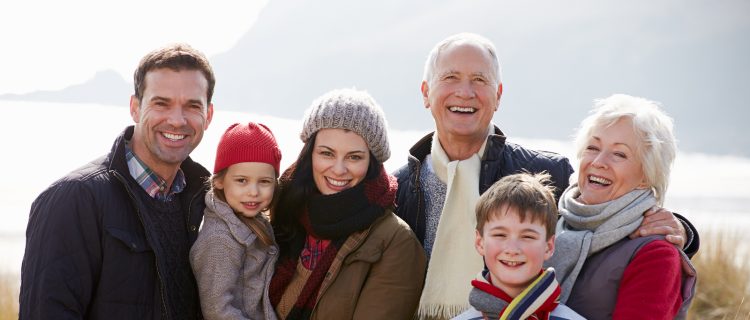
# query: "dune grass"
{"type": "Point", "coordinates": [723, 266]}
{"type": "Point", "coordinates": [8, 296]}
{"type": "Point", "coordinates": [723, 292]}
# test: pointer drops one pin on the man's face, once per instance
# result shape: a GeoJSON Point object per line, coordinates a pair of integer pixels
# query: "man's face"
{"type": "Point", "coordinates": [463, 93]}
{"type": "Point", "coordinates": [170, 118]}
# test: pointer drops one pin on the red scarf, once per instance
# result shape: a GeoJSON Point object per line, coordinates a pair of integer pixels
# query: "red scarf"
{"type": "Point", "coordinates": [332, 218]}
{"type": "Point", "coordinates": [535, 302]}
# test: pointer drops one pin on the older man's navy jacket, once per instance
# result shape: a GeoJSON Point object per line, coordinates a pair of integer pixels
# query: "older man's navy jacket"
{"type": "Point", "coordinates": [500, 159]}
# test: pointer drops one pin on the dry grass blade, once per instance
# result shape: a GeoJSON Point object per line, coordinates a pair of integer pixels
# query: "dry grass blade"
{"type": "Point", "coordinates": [8, 296]}
{"type": "Point", "coordinates": [723, 265]}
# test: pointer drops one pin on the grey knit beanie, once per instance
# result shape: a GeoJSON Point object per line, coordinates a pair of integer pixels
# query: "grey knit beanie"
{"type": "Point", "coordinates": [352, 110]}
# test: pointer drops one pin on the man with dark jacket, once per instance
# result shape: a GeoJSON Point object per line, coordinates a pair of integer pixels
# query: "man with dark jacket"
{"type": "Point", "coordinates": [448, 169]}
{"type": "Point", "coordinates": [111, 239]}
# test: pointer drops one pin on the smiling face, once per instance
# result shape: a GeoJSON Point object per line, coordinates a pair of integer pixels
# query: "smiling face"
{"type": "Point", "coordinates": [248, 187]}
{"type": "Point", "coordinates": [610, 166]}
{"type": "Point", "coordinates": [463, 94]}
{"type": "Point", "coordinates": [340, 159]}
{"type": "Point", "coordinates": [170, 118]}
{"type": "Point", "coordinates": [513, 251]}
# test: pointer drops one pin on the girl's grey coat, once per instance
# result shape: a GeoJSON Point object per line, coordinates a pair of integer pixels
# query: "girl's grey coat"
{"type": "Point", "coordinates": [232, 266]}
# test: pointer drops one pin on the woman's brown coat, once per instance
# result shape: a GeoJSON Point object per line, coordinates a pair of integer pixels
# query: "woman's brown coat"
{"type": "Point", "coordinates": [377, 274]}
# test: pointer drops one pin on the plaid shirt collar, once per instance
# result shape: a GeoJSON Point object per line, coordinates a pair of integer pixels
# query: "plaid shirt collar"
{"type": "Point", "coordinates": [313, 250]}
{"type": "Point", "coordinates": [154, 185]}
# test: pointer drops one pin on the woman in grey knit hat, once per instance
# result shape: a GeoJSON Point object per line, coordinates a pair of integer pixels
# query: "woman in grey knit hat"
{"type": "Point", "coordinates": [344, 254]}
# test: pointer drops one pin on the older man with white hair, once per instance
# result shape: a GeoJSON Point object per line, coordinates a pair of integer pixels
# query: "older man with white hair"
{"type": "Point", "coordinates": [442, 181]}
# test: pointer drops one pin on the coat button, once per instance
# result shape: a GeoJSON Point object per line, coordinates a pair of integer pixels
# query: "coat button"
{"type": "Point", "coordinates": [193, 228]}
{"type": "Point", "coordinates": [272, 251]}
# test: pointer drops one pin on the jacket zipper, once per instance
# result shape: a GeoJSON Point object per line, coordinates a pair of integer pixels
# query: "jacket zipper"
{"type": "Point", "coordinates": [143, 224]}
{"type": "Point", "coordinates": [190, 212]}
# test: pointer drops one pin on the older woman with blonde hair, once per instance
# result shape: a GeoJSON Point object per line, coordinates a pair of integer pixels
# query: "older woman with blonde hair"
{"type": "Point", "coordinates": [626, 149]}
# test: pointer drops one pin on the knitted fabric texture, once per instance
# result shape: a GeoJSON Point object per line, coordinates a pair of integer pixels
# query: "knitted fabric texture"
{"type": "Point", "coordinates": [587, 229]}
{"type": "Point", "coordinates": [171, 239]}
{"type": "Point", "coordinates": [250, 142]}
{"type": "Point", "coordinates": [343, 213]}
{"type": "Point", "coordinates": [453, 260]}
{"type": "Point", "coordinates": [434, 198]}
{"type": "Point", "coordinates": [351, 110]}
{"type": "Point", "coordinates": [232, 266]}
{"type": "Point", "coordinates": [333, 217]}
{"type": "Point", "coordinates": [306, 300]}
{"type": "Point", "coordinates": [537, 300]}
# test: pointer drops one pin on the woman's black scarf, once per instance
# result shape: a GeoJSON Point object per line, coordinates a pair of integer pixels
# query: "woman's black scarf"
{"type": "Point", "coordinates": [332, 217]}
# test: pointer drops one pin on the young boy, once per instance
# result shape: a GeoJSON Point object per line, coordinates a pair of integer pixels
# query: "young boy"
{"type": "Point", "coordinates": [515, 234]}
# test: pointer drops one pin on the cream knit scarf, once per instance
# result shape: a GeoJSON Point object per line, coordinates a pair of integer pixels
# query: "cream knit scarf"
{"type": "Point", "coordinates": [454, 261]}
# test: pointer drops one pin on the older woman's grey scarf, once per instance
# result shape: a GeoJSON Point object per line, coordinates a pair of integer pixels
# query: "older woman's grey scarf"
{"type": "Point", "coordinates": [587, 229]}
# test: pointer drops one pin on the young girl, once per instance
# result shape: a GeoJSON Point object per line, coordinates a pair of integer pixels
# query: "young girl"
{"type": "Point", "coordinates": [233, 258]}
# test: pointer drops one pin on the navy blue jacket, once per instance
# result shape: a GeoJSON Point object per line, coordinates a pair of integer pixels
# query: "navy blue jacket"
{"type": "Point", "coordinates": [500, 159]}
{"type": "Point", "coordinates": [89, 254]}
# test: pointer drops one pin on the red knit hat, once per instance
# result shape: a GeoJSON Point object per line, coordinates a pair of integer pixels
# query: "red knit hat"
{"type": "Point", "coordinates": [251, 142]}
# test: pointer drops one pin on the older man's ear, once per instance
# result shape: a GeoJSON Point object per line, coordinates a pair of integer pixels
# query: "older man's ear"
{"type": "Point", "coordinates": [499, 93]}
{"type": "Point", "coordinates": [425, 94]}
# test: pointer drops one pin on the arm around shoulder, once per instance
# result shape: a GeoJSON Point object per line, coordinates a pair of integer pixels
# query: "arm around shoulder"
{"type": "Point", "coordinates": [693, 240]}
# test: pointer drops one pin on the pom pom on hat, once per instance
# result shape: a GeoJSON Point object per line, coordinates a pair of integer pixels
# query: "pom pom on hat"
{"type": "Point", "coordinates": [250, 142]}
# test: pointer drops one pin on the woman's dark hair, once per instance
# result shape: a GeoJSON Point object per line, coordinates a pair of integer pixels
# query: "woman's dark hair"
{"type": "Point", "coordinates": [296, 188]}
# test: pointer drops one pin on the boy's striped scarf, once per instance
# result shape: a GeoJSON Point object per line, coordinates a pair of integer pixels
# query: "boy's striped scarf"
{"type": "Point", "coordinates": [535, 302]}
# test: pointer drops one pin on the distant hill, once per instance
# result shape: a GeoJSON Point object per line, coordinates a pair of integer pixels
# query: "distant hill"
{"type": "Point", "coordinates": [106, 87]}
{"type": "Point", "coordinates": [691, 56]}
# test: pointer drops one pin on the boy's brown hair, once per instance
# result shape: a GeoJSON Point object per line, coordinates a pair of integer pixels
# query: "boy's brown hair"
{"type": "Point", "coordinates": [532, 197]}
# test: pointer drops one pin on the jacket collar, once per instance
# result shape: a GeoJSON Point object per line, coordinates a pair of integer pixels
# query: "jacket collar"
{"type": "Point", "coordinates": [237, 228]}
{"type": "Point", "coordinates": [195, 174]}
{"type": "Point", "coordinates": [492, 151]}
